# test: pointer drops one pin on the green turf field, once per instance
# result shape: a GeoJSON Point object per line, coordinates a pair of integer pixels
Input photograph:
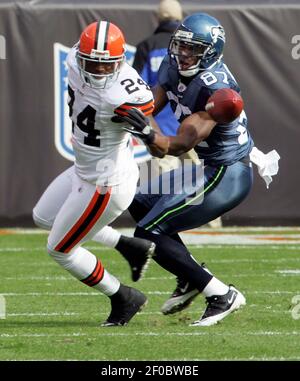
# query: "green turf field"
{"type": "Point", "coordinates": [52, 316]}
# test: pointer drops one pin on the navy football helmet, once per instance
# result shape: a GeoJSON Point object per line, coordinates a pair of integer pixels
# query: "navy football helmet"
{"type": "Point", "coordinates": [197, 44]}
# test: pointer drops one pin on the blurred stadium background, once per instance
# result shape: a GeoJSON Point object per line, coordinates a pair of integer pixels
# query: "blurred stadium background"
{"type": "Point", "coordinates": [262, 49]}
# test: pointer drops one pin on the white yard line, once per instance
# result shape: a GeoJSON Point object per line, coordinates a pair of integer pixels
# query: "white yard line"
{"type": "Point", "coordinates": [254, 260]}
{"type": "Point", "coordinates": [273, 292]}
{"type": "Point", "coordinates": [252, 358]}
{"type": "Point", "coordinates": [42, 249]}
{"type": "Point", "coordinates": [129, 231]}
{"type": "Point", "coordinates": [43, 314]}
{"type": "Point", "coordinates": [51, 294]}
{"type": "Point", "coordinates": [38, 278]}
{"type": "Point", "coordinates": [207, 236]}
{"type": "Point", "coordinates": [126, 334]}
{"type": "Point", "coordinates": [64, 278]}
{"type": "Point", "coordinates": [193, 310]}
{"type": "Point", "coordinates": [188, 312]}
{"type": "Point", "coordinates": [288, 272]}
{"type": "Point", "coordinates": [288, 246]}
{"type": "Point", "coordinates": [235, 260]}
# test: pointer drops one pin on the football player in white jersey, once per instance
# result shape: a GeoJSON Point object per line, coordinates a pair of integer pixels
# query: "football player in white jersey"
{"type": "Point", "coordinates": [102, 182]}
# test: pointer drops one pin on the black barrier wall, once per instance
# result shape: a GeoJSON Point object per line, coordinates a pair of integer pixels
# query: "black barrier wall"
{"type": "Point", "coordinates": [262, 50]}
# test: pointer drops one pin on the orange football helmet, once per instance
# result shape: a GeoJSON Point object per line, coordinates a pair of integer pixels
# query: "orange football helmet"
{"type": "Point", "coordinates": [100, 54]}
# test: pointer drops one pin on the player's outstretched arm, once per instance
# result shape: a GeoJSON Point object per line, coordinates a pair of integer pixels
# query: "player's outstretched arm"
{"type": "Point", "coordinates": [223, 107]}
{"type": "Point", "coordinates": [194, 129]}
{"type": "Point", "coordinates": [147, 130]}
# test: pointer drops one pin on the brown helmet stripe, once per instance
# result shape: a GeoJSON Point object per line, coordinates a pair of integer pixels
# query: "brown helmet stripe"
{"type": "Point", "coordinates": [96, 35]}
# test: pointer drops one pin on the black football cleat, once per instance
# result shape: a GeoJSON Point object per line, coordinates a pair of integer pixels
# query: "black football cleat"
{"type": "Point", "coordinates": [123, 311]}
{"type": "Point", "coordinates": [137, 252]}
{"type": "Point", "coordinates": [181, 298]}
{"type": "Point", "coordinates": [219, 306]}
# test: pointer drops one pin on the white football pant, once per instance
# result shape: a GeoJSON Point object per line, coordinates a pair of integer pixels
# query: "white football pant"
{"type": "Point", "coordinates": [75, 211]}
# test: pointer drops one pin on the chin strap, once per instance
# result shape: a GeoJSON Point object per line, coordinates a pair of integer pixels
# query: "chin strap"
{"type": "Point", "coordinates": [267, 164]}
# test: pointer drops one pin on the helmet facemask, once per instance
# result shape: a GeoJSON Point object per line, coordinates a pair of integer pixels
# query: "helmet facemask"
{"type": "Point", "coordinates": [189, 55]}
{"type": "Point", "coordinates": [99, 70]}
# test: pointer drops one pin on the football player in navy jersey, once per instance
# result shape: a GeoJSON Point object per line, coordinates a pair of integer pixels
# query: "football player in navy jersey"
{"type": "Point", "coordinates": [189, 75]}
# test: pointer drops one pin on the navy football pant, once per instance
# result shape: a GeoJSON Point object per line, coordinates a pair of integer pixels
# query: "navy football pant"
{"type": "Point", "coordinates": [161, 216]}
{"type": "Point", "coordinates": [220, 190]}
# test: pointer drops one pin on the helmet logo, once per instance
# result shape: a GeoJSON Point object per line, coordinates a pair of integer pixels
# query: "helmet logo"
{"type": "Point", "coordinates": [184, 34]}
{"type": "Point", "coordinates": [98, 54]}
{"type": "Point", "coordinates": [217, 32]}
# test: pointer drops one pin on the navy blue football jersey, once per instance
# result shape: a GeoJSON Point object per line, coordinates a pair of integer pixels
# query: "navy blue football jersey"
{"type": "Point", "coordinates": [227, 143]}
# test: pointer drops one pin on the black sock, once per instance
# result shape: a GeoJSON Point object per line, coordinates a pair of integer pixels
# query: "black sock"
{"type": "Point", "coordinates": [174, 257]}
{"type": "Point", "coordinates": [177, 238]}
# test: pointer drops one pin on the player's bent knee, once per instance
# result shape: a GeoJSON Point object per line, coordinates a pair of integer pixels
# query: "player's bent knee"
{"type": "Point", "coordinates": [52, 252]}
{"type": "Point", "coordinates": [40, 222]}
{"type": "Point", "coordinates": [59, 257]}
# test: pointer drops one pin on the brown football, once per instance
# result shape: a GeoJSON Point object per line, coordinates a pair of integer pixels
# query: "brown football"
{"type": "Point", "coordinates": [224, 105]}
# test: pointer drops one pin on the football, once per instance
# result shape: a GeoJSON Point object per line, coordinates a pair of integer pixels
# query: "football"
{"type": "Point", "coordinates": [224, 105]}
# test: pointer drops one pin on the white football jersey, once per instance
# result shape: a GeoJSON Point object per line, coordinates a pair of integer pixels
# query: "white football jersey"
{"type": "Point", "coordinates": [103, 153]}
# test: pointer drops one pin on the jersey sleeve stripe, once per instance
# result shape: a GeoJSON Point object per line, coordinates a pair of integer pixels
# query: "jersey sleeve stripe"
{"type": "Point", "coordinates": [145, 112]}
{"type": "Point", "coordinates": [146, 108]}
{"type": "Point", "coordinates": [148, 111]}
{"type": "Point", "coordinates": [137, 104]}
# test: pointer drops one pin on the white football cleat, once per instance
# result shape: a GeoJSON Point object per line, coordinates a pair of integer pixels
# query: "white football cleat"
{"type": "Point", "coordinates": [219, 306]}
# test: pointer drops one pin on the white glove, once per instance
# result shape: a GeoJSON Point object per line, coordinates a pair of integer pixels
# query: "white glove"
{"type": "Point", "coordinates": [267, 163]}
